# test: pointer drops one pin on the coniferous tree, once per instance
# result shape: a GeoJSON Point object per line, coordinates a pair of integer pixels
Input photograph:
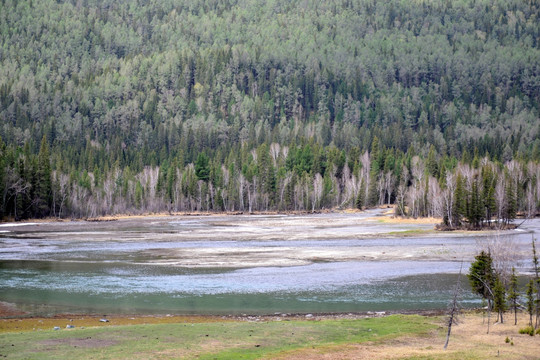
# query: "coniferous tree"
{"type": "Point", "coordinates": [530, 300]}
{"type": "Point", "coordinates": [511, 202]}
{"type": "Point", "coordinates": [202, 167]}
{"type": "Point", "coordinates": [460, 200]}
{"type": "Point", "coordinates": [513, 294]}
{"type": "Point", "coordinates": [482, 276]}
{"type": "Point", "coordinates": [488, 192]}
{"type": "Point", "coordinates": [499, 298]}
{"type": "Point", "coordinates": [373, 195]}
{"type": "Point", "coordinates": [475, 205]}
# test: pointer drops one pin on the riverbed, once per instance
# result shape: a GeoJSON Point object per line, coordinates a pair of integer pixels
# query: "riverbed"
{"type": "Point", "coordinates": [242, 264]}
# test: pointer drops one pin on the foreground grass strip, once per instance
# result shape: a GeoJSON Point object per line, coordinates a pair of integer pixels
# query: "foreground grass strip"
{"type": "Point", "coordinates": [228, 340]}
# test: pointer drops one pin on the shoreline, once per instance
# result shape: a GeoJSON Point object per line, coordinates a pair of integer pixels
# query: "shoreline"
{"type": "Point", "coordinates": [144, 215]}
{"type": "Point", "coordinates": [384, 217]}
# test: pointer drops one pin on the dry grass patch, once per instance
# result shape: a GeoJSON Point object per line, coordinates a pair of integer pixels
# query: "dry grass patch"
{"type": "Point", "coordinates": [40, 323]}
{"type": "Point", "coordinates": [469, 340]}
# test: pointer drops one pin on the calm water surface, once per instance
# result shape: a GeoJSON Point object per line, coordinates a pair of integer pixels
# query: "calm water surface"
{"type": "Point", "coordinates": [227, 265]}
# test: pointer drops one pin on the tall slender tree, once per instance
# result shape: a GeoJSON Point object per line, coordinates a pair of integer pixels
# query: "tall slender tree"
{"type": "Point", "coordinates": [513, 294]}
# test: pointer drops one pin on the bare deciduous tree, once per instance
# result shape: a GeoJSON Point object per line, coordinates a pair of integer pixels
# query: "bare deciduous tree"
{"type": "Point", "coordinates": [454, 307]}
{"type": "Point", "coordinates": [275, 149]}
{"type": "Point", "coordinates": [448, 197]}
{"type": "Point", "coordinates": [317, 191]}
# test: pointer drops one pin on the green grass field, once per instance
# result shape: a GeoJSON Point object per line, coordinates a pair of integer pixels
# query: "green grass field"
{"type": "Point", "coordinates": [222, 340]}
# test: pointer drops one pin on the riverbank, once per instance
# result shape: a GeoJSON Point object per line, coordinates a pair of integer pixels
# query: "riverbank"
{"type": "Point", "coordinates": [12, 320]}
{"type": "Point", "coordinates": [311, 336]}
{"type": "Point", "coordinates": [386, 215]}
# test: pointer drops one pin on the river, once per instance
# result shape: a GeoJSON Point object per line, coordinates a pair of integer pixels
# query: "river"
{"type": "Point", "coordinates": [242, 264]}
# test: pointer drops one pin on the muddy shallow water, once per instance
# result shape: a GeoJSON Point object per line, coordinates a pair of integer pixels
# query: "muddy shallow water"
{"type": "Point", "coordinates": [239, 264]}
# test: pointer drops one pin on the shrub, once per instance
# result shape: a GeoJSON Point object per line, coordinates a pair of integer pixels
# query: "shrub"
{"type": "Point", "coordinates": [527, 330]}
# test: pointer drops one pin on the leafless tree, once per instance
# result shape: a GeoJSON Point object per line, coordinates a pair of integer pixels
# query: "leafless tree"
{"type": "Point", "coordinates": [500, 198]}
{"type": "Point", "coordinates": [454, 307]}
{"type": "Point", "coordinates": [400, 200]}
{"type": "Point", "coordinates": [381, 188]}
{"type": "Point", "coordinates": [317, 191]}
{"type": "Point", "coordinates": [17, 187]}
{"type": "Point", "coordinates": [285, 151]}
{"type": "Point", "coordinates": [364, 172]}
{"type": "Point", "coordinates": [275, 150]}
{"type": "Point", "coordinates": [284, 182]}
{"type": "Point", "coordinates": [389, 183]}
{"type": "Point", "coordinates": [436, 200]}
{"type": "Point", "coordinates": [241, 186]}
{"type": "Point", "coordinates": [448, 197]}
{"type": "Point", "coordinates": [530, 201]}
{"type": "Point", "coordinates": [504, 253]}
{"type": "Point", "coordinates": [63, 192]}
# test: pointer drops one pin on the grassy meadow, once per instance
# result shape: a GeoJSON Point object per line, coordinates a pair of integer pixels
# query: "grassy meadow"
{"type": "Point", "coordinates": [389, 337]}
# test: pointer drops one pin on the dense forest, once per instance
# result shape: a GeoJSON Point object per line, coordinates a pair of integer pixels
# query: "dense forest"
{"type": "Point", "coordinates": [132, 106]}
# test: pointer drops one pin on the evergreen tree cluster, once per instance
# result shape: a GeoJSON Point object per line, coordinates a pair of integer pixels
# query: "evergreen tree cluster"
{"type": "Point", "coordinates": [249, 105]}
{"type": "Point", "coordinates": [303, 177]}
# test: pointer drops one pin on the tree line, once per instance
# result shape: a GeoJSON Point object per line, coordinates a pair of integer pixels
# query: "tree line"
{"type": "Point", "coordinates": [472, 192]}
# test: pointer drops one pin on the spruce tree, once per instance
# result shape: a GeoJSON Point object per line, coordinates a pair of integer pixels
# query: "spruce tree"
{"type": "Point", "coordinates": [202, 167]}
{"type": "Point", "coordinates": [513, 294]}
{"type": "Point", "coordinates": [511, 201]}
{"type": "Point", "coordinates": [482, 276]}
{"type": "Point", "coordinates": [530, 300]}
{"type": "Point", "coordinates": [499, 298]}
{"type": "Point", "coordinates": [360, 198]}
{"type": "Point", "coordinates": [488, 192]}
{"type": "Point", "coordinates": [460, 201]}
{"type": "Point", "coordinates": [373, 195]}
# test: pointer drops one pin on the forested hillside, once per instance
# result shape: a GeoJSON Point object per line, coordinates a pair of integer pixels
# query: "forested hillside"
{"type": "Point", "coordinates": [111, 106]}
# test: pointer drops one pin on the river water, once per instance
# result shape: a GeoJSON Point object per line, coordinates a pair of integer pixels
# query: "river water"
{"type": "Point", "coordinates": [242, 264]}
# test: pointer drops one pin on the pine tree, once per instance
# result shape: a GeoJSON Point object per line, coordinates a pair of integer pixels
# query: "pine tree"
{"type": "Point", "coordinates": [359, 203]}
{"type": "Point", "coordinates": [139, 194]}
{"type": "Point", "coordinates": [482, 276]}
{"type": "Point", "coordinates": [431, 162]}
{"type": "Point", "coordinates": [511, 201]}
{"type": "Point", "coordinates": [530, 300]}
{"type": "Point", "coordinates": [475, 206]}
{"type": "Point", "coordinates": [499, 298]}
{"type": "Point", "coordinates": [460, 200]}
{"type": "Point", "coordinates": [513, 294]}
{"type": "Point", "coordinates": [488, 192]}
{"type": "Point", "coordinates": [373, 195]}
{"type": "Point", "coordinates": [202, 167]}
